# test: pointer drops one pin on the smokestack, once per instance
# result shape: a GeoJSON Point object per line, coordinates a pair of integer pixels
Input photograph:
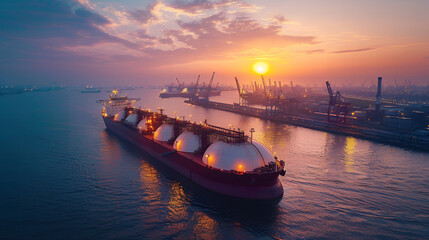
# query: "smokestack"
{"type": "Point", "coordinates": [378, 99]}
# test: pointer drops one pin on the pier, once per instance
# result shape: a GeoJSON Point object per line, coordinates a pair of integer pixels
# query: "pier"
{"type": "Point", "coordinates": [380, 135]}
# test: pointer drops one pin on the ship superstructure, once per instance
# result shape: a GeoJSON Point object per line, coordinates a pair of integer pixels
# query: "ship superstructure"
{"type": "Point", "coordinates": [117, 101]}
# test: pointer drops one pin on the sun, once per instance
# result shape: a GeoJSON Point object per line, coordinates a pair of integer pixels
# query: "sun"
{"type": "Point", "coordinates": [260, 67]}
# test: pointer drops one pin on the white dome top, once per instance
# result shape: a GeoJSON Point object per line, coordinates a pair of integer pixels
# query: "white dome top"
{"type": "Point", "coordinates": [237, 156]}
{"type": "Point", "coordinates": [187, 142]}
{"type": "Point", "coordinates": [131, 119]}
{"type": "Point", "coordinates": [142, 125]}
{"type": "Point", "coordinates": [164, 133]}
{"type": "Point", "coordinates": [119, 116]}
{"type": "Point", "coordinates": [266, 154]}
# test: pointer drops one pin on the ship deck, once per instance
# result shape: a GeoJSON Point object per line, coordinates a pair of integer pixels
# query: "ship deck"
{"type": "Point", "coordinates": [197, 158]}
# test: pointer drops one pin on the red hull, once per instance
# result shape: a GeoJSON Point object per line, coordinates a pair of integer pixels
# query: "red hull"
{"type": "Point", "coordinates": [265, 186]}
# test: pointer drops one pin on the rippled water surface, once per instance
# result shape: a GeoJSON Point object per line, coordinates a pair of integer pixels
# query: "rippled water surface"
{"type": "Point", "coordinates": [63, 176]}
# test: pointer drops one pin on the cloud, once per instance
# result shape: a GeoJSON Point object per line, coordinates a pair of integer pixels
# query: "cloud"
{"type": "Point", "coordinates": [355, 50]}
{"type": "Point", "coordinates": [144, 15]}
{"type": "Point", "coordinates": [201, 5]}
{"type": "Point", "coordinates": [69, 34]}
{"type": "Point", "coordinates": [280, 19]}
{"type": "Point", "coordinates": [201, 30]}
{"type": "Point", "coordinates": [40, 29]}
{"type": "Point", "coordinates": [218, 36]}
{"type": "Point", "coordinates": [315, 51]}
{"type": "Point", "coordinates": [427, 57]}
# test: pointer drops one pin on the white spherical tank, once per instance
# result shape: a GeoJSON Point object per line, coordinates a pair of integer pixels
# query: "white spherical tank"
{"type": "Point", "coordinates": [164, 133]}
{"type": "Point", "coordinates": [235, 156]}
{"type": "Point", "coordinates": [119, 116]}
{"type": "Point", "coordinates": [131, 119]}
{"type": "Point", "coordinates": [266, 154]}
{"type": "Point", "coordinates": [187, 142]}
{"type": "Point", "coordinates": [142, 125]}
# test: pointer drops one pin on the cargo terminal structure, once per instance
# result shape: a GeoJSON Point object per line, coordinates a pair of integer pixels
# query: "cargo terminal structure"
{"type": "Point", "coordinates": [402, 125]}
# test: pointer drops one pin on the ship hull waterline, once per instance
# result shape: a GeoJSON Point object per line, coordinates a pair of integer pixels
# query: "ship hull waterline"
{"type": "Point", "coordinates": [245, 186]}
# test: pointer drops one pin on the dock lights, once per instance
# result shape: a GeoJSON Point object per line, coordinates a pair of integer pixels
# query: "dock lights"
{"type": "Point", "coordinates": [240, 168]}
{"type": "Point", "coordinates": [210, 159]}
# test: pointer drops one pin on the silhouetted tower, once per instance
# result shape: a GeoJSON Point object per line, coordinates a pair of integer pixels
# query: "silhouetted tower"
{"type": "Point", "coordinates": [378, 97]}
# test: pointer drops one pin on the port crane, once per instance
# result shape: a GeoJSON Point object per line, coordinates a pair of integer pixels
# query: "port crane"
{"type": "Point", "coordinates": [265, 87]}
{"type": "Point", "coordinates": [242, 101]}
{"type": "Point", "coordinates": [337, 105]}
{"type": "Point", "coordinates": [195, 92]}
{"type": "Point", "coordinates": [209, 88]}
{"type": "Point", "coordinates": [181, 85]}
{"type": "Point", "coordinates": [276, 102]}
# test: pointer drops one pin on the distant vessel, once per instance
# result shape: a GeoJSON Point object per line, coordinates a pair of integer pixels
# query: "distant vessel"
{"type": "Point", "coordinates": [90, 89]}
{"type": "Point", "coordinates": [190, 92]}
{"type": "Point", "coordinates": [128, 88]}
{"type": "Point", "coordinates": [10, 90]}
{"type": "Point", "coordinates": [117, 102]}
{"type": "Point", "coordinates": [222, 160]}
{"type": "Point", "coordinates": [187, 92]}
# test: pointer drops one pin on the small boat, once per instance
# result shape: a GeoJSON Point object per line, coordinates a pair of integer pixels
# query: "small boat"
{"type": "Point", "coordinates": [90, 89]}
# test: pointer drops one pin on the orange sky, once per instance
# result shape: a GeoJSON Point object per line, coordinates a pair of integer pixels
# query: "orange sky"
{"type": "Point", "coordinates": [152, 42]}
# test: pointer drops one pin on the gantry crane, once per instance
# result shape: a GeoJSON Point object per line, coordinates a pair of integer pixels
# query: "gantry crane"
{"type": "Point", "coordinates": [337, 105]}
{"type": "Point", "coordinates": [194, 94]}
{"type": "Point", "coordinates": [209, 88]}
{"type": "Point", "coordinates": [243, 97]}
{"type": "Point", "coordinates": [180, 84]}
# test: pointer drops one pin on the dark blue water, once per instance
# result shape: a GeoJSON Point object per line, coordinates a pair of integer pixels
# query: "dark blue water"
{"type": "Point", "coordinates": [62, 176]}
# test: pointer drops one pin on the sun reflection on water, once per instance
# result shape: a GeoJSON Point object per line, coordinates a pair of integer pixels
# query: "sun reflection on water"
{"type": "Point", "coordinates": [177, 206]}
{"type": "Point", "coordinates": [150, 182]}
{"type": "Point", "coordinates": [349, 151]}
{"type": "Point", "coordinates": [206, 227]}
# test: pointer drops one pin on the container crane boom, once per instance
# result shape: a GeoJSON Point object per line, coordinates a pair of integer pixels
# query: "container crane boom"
{"type": "Point", "coordinates": [198, 80]}
{"type": "Point", "coordinates": [210, 86]}
{"type": "Point", "coordinates": [238, 86]}
{"type": "Point", "coordinates": [180, 85]}
{"type": "Point", "coordinates": [331, 95]}
{"type": "Point", "coordinates": [196, 85]}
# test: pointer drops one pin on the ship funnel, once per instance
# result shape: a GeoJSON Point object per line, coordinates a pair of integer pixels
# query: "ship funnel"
{"type": "Point", "coordinates": [378, 97]}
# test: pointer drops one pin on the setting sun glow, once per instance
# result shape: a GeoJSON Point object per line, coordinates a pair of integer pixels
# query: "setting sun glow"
{"type": "Point", "coordinates": [260, 67]}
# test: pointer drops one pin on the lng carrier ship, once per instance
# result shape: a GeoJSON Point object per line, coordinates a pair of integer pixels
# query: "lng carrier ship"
{"type": "Point", "coordinates": [222, 160]}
